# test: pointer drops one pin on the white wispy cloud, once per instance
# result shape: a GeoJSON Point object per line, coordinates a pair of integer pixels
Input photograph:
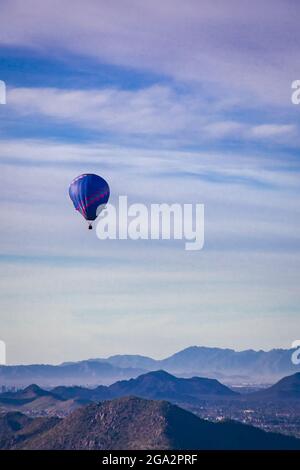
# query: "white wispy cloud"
{"type": "Point", "coordinates": [274, 130]}
{"type": "Point", "coordinates": [249, 198]}
{"type": "Point", "coordinates": [248, 48]}
{"type": "Point", "coordinates": [156, 110]}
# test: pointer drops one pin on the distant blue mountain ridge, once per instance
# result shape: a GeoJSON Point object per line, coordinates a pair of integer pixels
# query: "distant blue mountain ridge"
{"type": "Point", "coordinates": [227, 365]}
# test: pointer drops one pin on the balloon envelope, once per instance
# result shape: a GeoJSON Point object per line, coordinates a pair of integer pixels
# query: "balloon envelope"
{"type": "Point", "coordinates": [88, 192]}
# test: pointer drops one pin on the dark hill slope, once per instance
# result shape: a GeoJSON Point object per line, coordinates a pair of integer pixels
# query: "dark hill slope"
{"type": "Point", "coordinates": [135, 423]}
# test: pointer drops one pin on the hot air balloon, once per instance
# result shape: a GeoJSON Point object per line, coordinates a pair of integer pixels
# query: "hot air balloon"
{"type": "Point", "coordinates": [89, 194]}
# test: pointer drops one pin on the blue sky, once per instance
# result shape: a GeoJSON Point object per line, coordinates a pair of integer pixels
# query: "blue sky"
{"type": "Point", "coordinates": [180, 102]}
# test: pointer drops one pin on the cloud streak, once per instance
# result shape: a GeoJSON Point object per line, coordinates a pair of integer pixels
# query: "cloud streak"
{"type": "Point", "coordinates": [250, 48]}
{"type": "Point", "coordinates": [153, 111]}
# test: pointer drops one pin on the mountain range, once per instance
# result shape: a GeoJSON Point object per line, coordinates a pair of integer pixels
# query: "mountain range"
{"type": "Point", "coordinates": [134, 423]}
{"type": "Point", "coordinates": [223, 364]}
{"type": "Point", "coordinates": [38, 402]}
{"type": "Point", "coordinates": [156, 385]}
{"type": "Point", "coordinates": [227, 365]}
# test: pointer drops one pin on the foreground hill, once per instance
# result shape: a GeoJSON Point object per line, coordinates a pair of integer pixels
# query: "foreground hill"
{"type": "Point", "coordinates": [16, 428]}
{"type": "Point", "coordinates": [135, 423]}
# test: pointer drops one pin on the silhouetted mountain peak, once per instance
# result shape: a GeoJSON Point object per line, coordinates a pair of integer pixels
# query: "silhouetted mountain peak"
{"type": "Point", "coordinates": [33, 388]}
{"type": "Point", "coordinates": [286, 388]}
{"type": "Point", "coordinates": [31, 392]}
{"type": "Point", "coordinates": [156, 375]}
{"type": "Point", "coordinates": [162, 385]}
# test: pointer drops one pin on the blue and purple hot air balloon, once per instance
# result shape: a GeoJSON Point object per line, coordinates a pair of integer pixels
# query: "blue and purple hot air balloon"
{"type": "Point", "coordinates": [89, 194]}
